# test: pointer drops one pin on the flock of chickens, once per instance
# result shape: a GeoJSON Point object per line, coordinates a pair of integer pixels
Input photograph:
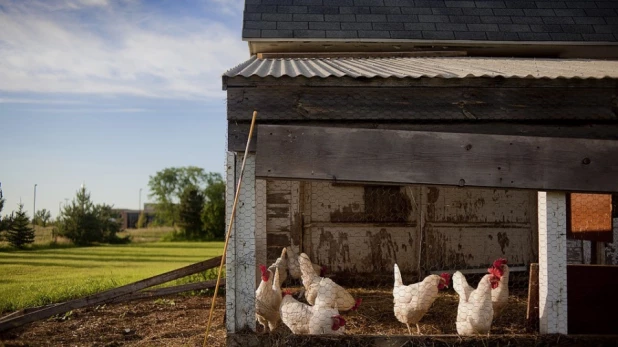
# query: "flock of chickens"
{"type": "Point", "coordinates": [326, 299]}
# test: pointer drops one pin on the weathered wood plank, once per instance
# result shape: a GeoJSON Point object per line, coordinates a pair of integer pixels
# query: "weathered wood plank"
{"type": "Point", "coordinates": [412, 157]}
{"type": "Point", "coordinates": [239, 132]}
{"type": "Point", "coordinates": [532, 311]}
{"type": "Point", "coordinates": [155, 293]}
{"type": "Point", "coordinates": [523, 340]}
{"type": "Point", "coordinates": [434, 53]}
{"type": "Point", "coordinates": [414, 103]}
{"type": "Point", "coordinates": [482, 82]}
{"type": "Point", "coordinates": [109, 294]}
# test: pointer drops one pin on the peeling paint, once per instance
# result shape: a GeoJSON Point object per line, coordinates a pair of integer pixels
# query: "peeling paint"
{"type": "Point", "coordinates": [503, 241]}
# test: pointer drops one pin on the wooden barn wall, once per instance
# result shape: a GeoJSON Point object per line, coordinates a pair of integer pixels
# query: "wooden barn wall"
{"type": "Point", "coordinates": [580, 251]}
{"type": "Point", "coordinates": [471, 227]}
{"type": "Point", "coordinates": [350, 231]}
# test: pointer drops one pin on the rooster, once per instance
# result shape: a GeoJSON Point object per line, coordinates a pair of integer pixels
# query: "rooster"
{"type": "Point", "coordinates": [500, 294]}
{"type": "Point", "coordinates": [475, 312]}
{"type": "Point", "coordinates": [304, 319]}
{"type": "Point", "coordinates": [282, 265]}
{"type": "Point", "coordinates": [268, 299]}
{"type": "Point", "coordinates": [330, 293]}
{"type": "Point", "coordinates": [294, 265]}
{"type": "Point", "coordinates": [414, 300]}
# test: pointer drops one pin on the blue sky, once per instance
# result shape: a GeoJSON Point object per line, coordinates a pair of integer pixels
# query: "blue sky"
{"type": "Point", "coordinates": [108, 92]}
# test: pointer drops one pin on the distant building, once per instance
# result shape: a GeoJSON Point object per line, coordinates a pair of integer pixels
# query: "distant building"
{"type": "Point", "coordinates": [130, 217]}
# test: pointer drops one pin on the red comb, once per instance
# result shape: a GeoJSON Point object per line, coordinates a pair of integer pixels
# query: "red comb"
{"type": "Point", "coordinates": [499, 262]}
{"type": "Point", "coordinates": [446, 276]}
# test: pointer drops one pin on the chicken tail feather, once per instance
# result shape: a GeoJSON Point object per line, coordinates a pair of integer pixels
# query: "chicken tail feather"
{"type": "Point", "coordinates": [398, 279]}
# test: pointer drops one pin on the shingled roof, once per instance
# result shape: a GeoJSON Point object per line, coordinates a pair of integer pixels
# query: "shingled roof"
{"type": "Point", "coordinates": [477, 20]}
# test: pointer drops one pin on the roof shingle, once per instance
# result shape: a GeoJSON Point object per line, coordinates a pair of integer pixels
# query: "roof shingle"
{"type": "Point", "coordinates": [503, 20]}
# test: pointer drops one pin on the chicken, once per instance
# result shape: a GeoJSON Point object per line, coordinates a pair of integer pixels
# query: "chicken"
{"type": "Point", "coordinates": [330, 293]}
{"type": "Point", "coordinates": [500, 294]}
{"type": "Point", "coordinates": [294, 265]}
{"type": "Point", "coordinates": [282, 264]}
{"type": "Point", "coordinates": [304, 319]}
{"type": "Point", "coordinates": [414, 300]}
{"type": "Point", "coordinates": [475, 312]}
{"type": "Point", "coordinates": [268, 299]}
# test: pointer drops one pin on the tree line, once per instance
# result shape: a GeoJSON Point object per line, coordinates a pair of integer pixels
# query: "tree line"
{"type": "Point", "coordinates": [187, 198]}
{"type": "Point", "coordinates": [191, 199]}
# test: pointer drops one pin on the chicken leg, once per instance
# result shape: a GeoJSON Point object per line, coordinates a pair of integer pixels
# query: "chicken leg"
{"type": "Point", "coordinates": [409, 330]}
{"type": "Point", "coordinates": [418, 329]}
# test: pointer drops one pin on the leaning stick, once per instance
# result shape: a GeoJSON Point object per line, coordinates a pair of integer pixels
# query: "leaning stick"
{"type": "Point", "coordinates": [229, 228]}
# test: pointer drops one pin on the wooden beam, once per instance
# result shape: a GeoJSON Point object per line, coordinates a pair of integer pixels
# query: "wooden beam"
{"type": "Point", "coordinates": [108, 295]}
{"type": "Point", "coordinates": [410, 54]}
{"type": "Point", "coordinates": [238, 132]}
{"type": "Point", "coordinates": [421, 104]}
{"type": "Point", "coordinates": [155, 293]}
{"type": "Point", "coordinates": [394, 82]}
{"type": "Point", "coordinates": [532, 312]}
{"type": "Point", "coordinates": [456, 159]}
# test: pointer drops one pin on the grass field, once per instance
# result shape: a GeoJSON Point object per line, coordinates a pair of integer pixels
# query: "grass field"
{"type": "Point", "coordinates": [42, 276]}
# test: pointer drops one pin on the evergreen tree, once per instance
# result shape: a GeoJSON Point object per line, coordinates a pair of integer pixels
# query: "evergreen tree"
{"type": "Point", "coordinates": [4, 222]}
{"type": "Point", "coordinates": [20, 233]}
{"type": "Point", "coordinates": [190, 213]}
{"type": "Point", "coordinates": [85, 223]}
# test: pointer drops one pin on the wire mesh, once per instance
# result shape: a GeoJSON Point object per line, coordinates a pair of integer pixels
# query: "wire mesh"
{"type": "Point", "coordinates": [378, 259]}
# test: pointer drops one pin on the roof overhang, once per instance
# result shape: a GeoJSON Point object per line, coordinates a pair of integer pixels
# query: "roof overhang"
{"type": "Point", "coordinates": [553, 49]}
{"type": "Point", "coordinates": [397, 69]}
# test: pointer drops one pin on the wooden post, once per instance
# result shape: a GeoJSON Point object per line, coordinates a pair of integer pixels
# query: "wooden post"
{"type": "Point", "coordinates": [552, 219]}
{"type": "Point", "coordinates": [532, 314]}
{"type": "Point", "coordinates": [241, 254]}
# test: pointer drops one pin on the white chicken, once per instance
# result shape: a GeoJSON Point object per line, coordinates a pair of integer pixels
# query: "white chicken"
{"type": "Point", "coordinates": [294, 265]}
{"type": "Point", "coordinates": [414, 300]}
{"type": "Point", "coordinates": [500, 294]}
{"type": "Point", "coordinates": [330, 293]}
{"type": "Point", "coordinates": [304, 319]}
{"type": "Point", "coordinates": [475, 312]}
{"type": "Point", "coordinates": [282, 265]}
{"type": "Point", "coordinates": [268, 299]}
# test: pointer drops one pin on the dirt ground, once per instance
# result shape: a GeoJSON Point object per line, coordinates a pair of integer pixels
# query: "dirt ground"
{"type": "Point", "coordinates": [181, 321]}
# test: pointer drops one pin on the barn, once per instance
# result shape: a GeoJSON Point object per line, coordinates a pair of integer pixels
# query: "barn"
{"type": "Point", "coordinates": [435, 135]}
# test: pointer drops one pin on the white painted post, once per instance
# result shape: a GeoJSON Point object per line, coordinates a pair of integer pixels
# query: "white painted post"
{"type": "Point", "coordinates": [552, 263]}
{"type": "Point", "coordinates": [240, 260]}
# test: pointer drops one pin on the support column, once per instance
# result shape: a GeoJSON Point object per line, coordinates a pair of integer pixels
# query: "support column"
{"type": "Point", "coordinates": [552, 263]}
{"type": "Point", "coordinates": [240, 260]}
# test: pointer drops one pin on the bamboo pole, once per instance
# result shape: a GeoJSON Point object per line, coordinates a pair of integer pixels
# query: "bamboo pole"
{"type": "Point", "coordinates": [229, 229]}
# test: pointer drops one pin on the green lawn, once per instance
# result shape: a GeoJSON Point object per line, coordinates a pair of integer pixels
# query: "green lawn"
{"type": "Point", "coordinates": [38, 277]}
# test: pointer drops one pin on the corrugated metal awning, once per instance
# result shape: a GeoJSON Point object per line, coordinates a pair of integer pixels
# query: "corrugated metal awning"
{"type": "Point", "coordinates": [435, 67]}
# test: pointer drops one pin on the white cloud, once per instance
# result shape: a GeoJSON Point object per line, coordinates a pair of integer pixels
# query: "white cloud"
{"type": "Point", "coordinates": [230, 7]}
{"type": "Point", "coordinates": [38, 101]}
{"type": "Point", "coordinates": [90, 110]}
{"type": "Point", "coordinates": [126, 51]}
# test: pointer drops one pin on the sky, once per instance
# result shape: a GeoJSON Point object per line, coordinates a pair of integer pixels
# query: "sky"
{"type": "Point", "coordinates": [108, 92]}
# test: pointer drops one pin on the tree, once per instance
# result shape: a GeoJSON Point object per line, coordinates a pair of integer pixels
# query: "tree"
{"type": "Point", "coordinates": [42, 217]}
{"type": "Point", "coordinates": [142, 220]}
{"type": "Point", "coordinates": [213, 214]}
{"type": "Point", "coordinates": [85, 223]}
{"type": "Point", "coordinates": [167, 185]}
{"type": "Point", "coordinates": [20, 233]}
{"type": "Point", "coordinates": [190, 211]}
{"type": "Point", "coordinates": [4, 222]}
